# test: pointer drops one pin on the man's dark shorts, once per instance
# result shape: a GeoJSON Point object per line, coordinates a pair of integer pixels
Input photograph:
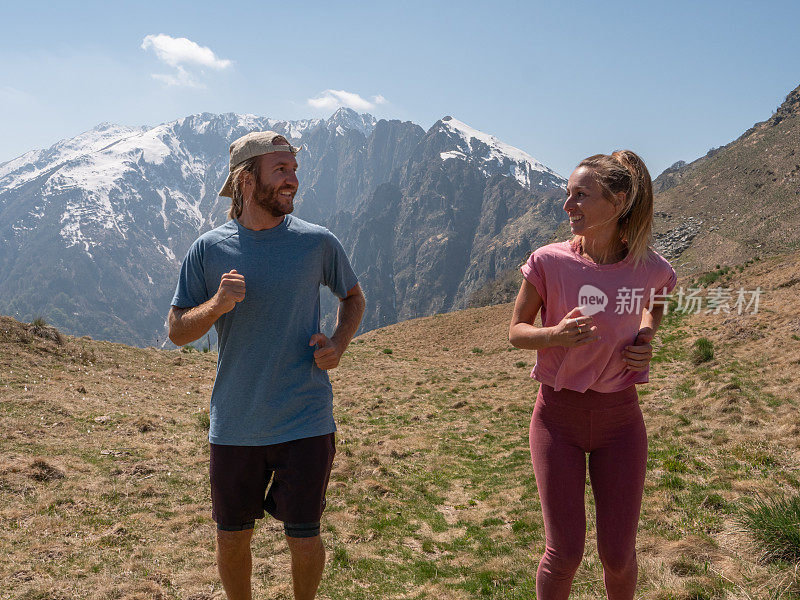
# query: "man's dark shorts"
{"type": "Point", "coordinates": [299, 470]}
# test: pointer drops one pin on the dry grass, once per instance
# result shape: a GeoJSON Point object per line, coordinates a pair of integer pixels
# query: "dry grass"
{"type": "Point", "coordinates": [104, 489]}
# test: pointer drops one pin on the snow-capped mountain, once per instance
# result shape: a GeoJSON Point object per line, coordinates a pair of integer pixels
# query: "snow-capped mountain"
{"type": "Point", "coordinates": [493, 156]}
{"type": "Point", "coordinates": [93, 229]}
{"type": "Point", "coordinates": [98, 176]}
{"type": "Point", "coordinates": [345, 119]}
{"type": "Point", "coordinates": [31, 164]}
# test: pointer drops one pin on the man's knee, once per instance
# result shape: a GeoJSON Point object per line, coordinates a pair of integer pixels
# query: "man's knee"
{"type": "Point", "coordinates": [305, 546]}
{"type": "Point", "coordinates": [233, 542]}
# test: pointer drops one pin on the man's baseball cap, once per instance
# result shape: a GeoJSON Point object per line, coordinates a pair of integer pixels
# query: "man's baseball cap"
{"type": "Point", "coordinates": [253, 144]}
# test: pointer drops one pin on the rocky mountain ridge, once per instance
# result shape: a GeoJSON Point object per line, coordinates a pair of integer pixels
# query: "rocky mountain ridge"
{"type": "Point", "coordinates": [94, 228]}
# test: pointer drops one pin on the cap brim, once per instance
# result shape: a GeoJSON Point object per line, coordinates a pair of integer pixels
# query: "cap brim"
{"type": "Point", "coordinates": [227, 189]}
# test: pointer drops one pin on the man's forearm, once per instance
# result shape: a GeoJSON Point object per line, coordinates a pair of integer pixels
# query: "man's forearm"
{"type": "Point", "coordinates": [189, 324]}
{"type": "Point", "coordinates": [348, 318]}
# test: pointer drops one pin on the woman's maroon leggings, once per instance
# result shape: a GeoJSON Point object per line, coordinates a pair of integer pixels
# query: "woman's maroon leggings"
{"type": "Point", "coordinates": [566, 425]}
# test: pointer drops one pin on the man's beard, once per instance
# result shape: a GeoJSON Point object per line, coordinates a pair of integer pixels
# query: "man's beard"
{"type": "Point", "coordinates": [268, 198]}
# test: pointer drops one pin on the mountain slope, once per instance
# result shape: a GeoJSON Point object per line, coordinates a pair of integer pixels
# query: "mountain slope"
{"type": "Point", "coordinates": [443, 226]}
{"type": "Point", "coordinates": [344, 161]}
{"type": "Point", "coordinates": [738, 201]}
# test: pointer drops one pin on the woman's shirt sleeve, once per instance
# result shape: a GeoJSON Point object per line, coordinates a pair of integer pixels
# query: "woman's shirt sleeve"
{"type": "Point", "coordinates": [533, 272]}
{"type": "Point", "coordinates": [672, 279]}
{"type": "Point", "coordinates": [669, 278]}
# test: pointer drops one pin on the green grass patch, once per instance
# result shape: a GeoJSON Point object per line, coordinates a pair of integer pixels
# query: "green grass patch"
{"type": "Point", "coordinates": [685, 389]}
{"type": "Point", "coordinates": [702, 350]}
{"type": "Point", "coordinates": [713, 276]}
{"type": "Point", "coordinates": [774, 523]}
{"type": "Point", "coordinates": [675, 465]}
{"type": "Point", "coordinates": [707, 588]}
{"type": "Point", "coordinates": [757, 457]}
{"type": "Point", "coordinates": [671, 481]}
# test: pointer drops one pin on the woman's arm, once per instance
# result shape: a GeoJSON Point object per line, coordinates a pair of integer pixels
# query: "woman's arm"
{"type": "Point", "coordinates": [652, 318]}
{"type": "Point", "coordinates": [637, 356]}
{"type": "Point", "coordinates": [573, 330]}
{"type": "Point", "coordinates": [522, 333]}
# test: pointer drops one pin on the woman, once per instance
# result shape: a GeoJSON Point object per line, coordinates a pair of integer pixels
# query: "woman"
{"type": "Point", "coordinates": [601, 295]}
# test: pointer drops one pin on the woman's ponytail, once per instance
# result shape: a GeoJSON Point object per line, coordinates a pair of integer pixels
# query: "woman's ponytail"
{"type": "Point", "coordinates": [636, 221]}
{"type": "Point", "coordinates": [625, 171]}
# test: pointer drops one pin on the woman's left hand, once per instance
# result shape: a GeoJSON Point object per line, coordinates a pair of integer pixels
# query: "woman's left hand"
{"type": "Point", "coordinates": [638, 355]}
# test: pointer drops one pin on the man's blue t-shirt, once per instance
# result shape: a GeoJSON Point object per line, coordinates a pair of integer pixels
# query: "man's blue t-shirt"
{"type": "Point", "coordinates": [268, 388]}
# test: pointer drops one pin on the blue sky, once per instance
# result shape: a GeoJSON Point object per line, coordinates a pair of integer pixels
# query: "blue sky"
{"type": "Point", "coordinates": [561, 80]}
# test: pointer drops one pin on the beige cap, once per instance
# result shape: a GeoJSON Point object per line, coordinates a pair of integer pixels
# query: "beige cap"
{"type": "Point", "coordinates": [253, 144]}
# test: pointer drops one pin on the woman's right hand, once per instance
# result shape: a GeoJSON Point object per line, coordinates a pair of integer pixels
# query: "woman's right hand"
{"type": "Point", "coordinates": [574, 329]}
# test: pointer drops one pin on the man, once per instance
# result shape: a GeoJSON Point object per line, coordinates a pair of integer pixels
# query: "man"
{"type": "Point", "coordinates": [256, 279]}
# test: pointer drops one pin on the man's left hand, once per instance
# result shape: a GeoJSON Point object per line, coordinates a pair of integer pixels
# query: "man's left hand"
{"type": "Point", "coordinates": [328, 353]}
{"type": "Point", "coordinates": [638, 355]}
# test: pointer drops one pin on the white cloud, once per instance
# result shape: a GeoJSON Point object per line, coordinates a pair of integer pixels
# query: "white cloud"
{"type": "Point", "coordinates": [182, 53]}
{"type": "Point", "coordinates": [181, 78]}
{"type": "Point", "coordinates": [331, 99]}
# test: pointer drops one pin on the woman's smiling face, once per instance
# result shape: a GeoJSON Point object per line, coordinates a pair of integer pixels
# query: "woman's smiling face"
{"type": "Point", "coordinates": [590, 212]}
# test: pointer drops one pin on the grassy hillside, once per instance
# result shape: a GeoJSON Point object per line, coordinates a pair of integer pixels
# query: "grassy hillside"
{"type": "Point", "coordinates": [104, 485]}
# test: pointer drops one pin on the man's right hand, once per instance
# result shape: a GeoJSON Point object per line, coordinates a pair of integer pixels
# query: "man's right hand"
{"type": "Point", "coordinates": [574, 330]}
{"type": "Point", "coordinates": [231, 291]}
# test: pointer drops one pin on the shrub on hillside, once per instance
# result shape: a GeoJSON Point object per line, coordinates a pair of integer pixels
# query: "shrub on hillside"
{"type": "Point", "coordinates": [703, 350]}
{"type": "Point", "coordinates": [774, 523]}
{"type": "Point", "coordinates": [40, 328]}
{"type": "Point", "coordinates": [713, 276]}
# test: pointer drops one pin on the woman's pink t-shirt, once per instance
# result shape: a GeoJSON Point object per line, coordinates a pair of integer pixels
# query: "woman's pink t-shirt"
{"type": "Point", "coordinates": [615, 295]}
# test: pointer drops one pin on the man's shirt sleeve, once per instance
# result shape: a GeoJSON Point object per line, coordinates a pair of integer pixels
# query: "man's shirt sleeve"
{"type": "Point", "coordinates": [191, 290]}
{"type": "Point", "coordinates": [337, 273]}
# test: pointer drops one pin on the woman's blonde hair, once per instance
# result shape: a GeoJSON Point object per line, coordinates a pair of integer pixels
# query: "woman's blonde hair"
{"type": "Point", "coordinates": [625, 171]}
{"type": "Point", "coordinates": [237, 200]}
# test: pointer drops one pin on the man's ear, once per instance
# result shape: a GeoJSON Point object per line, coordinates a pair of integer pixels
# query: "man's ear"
{"type": "Point", "coordinates": [246, 182]}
